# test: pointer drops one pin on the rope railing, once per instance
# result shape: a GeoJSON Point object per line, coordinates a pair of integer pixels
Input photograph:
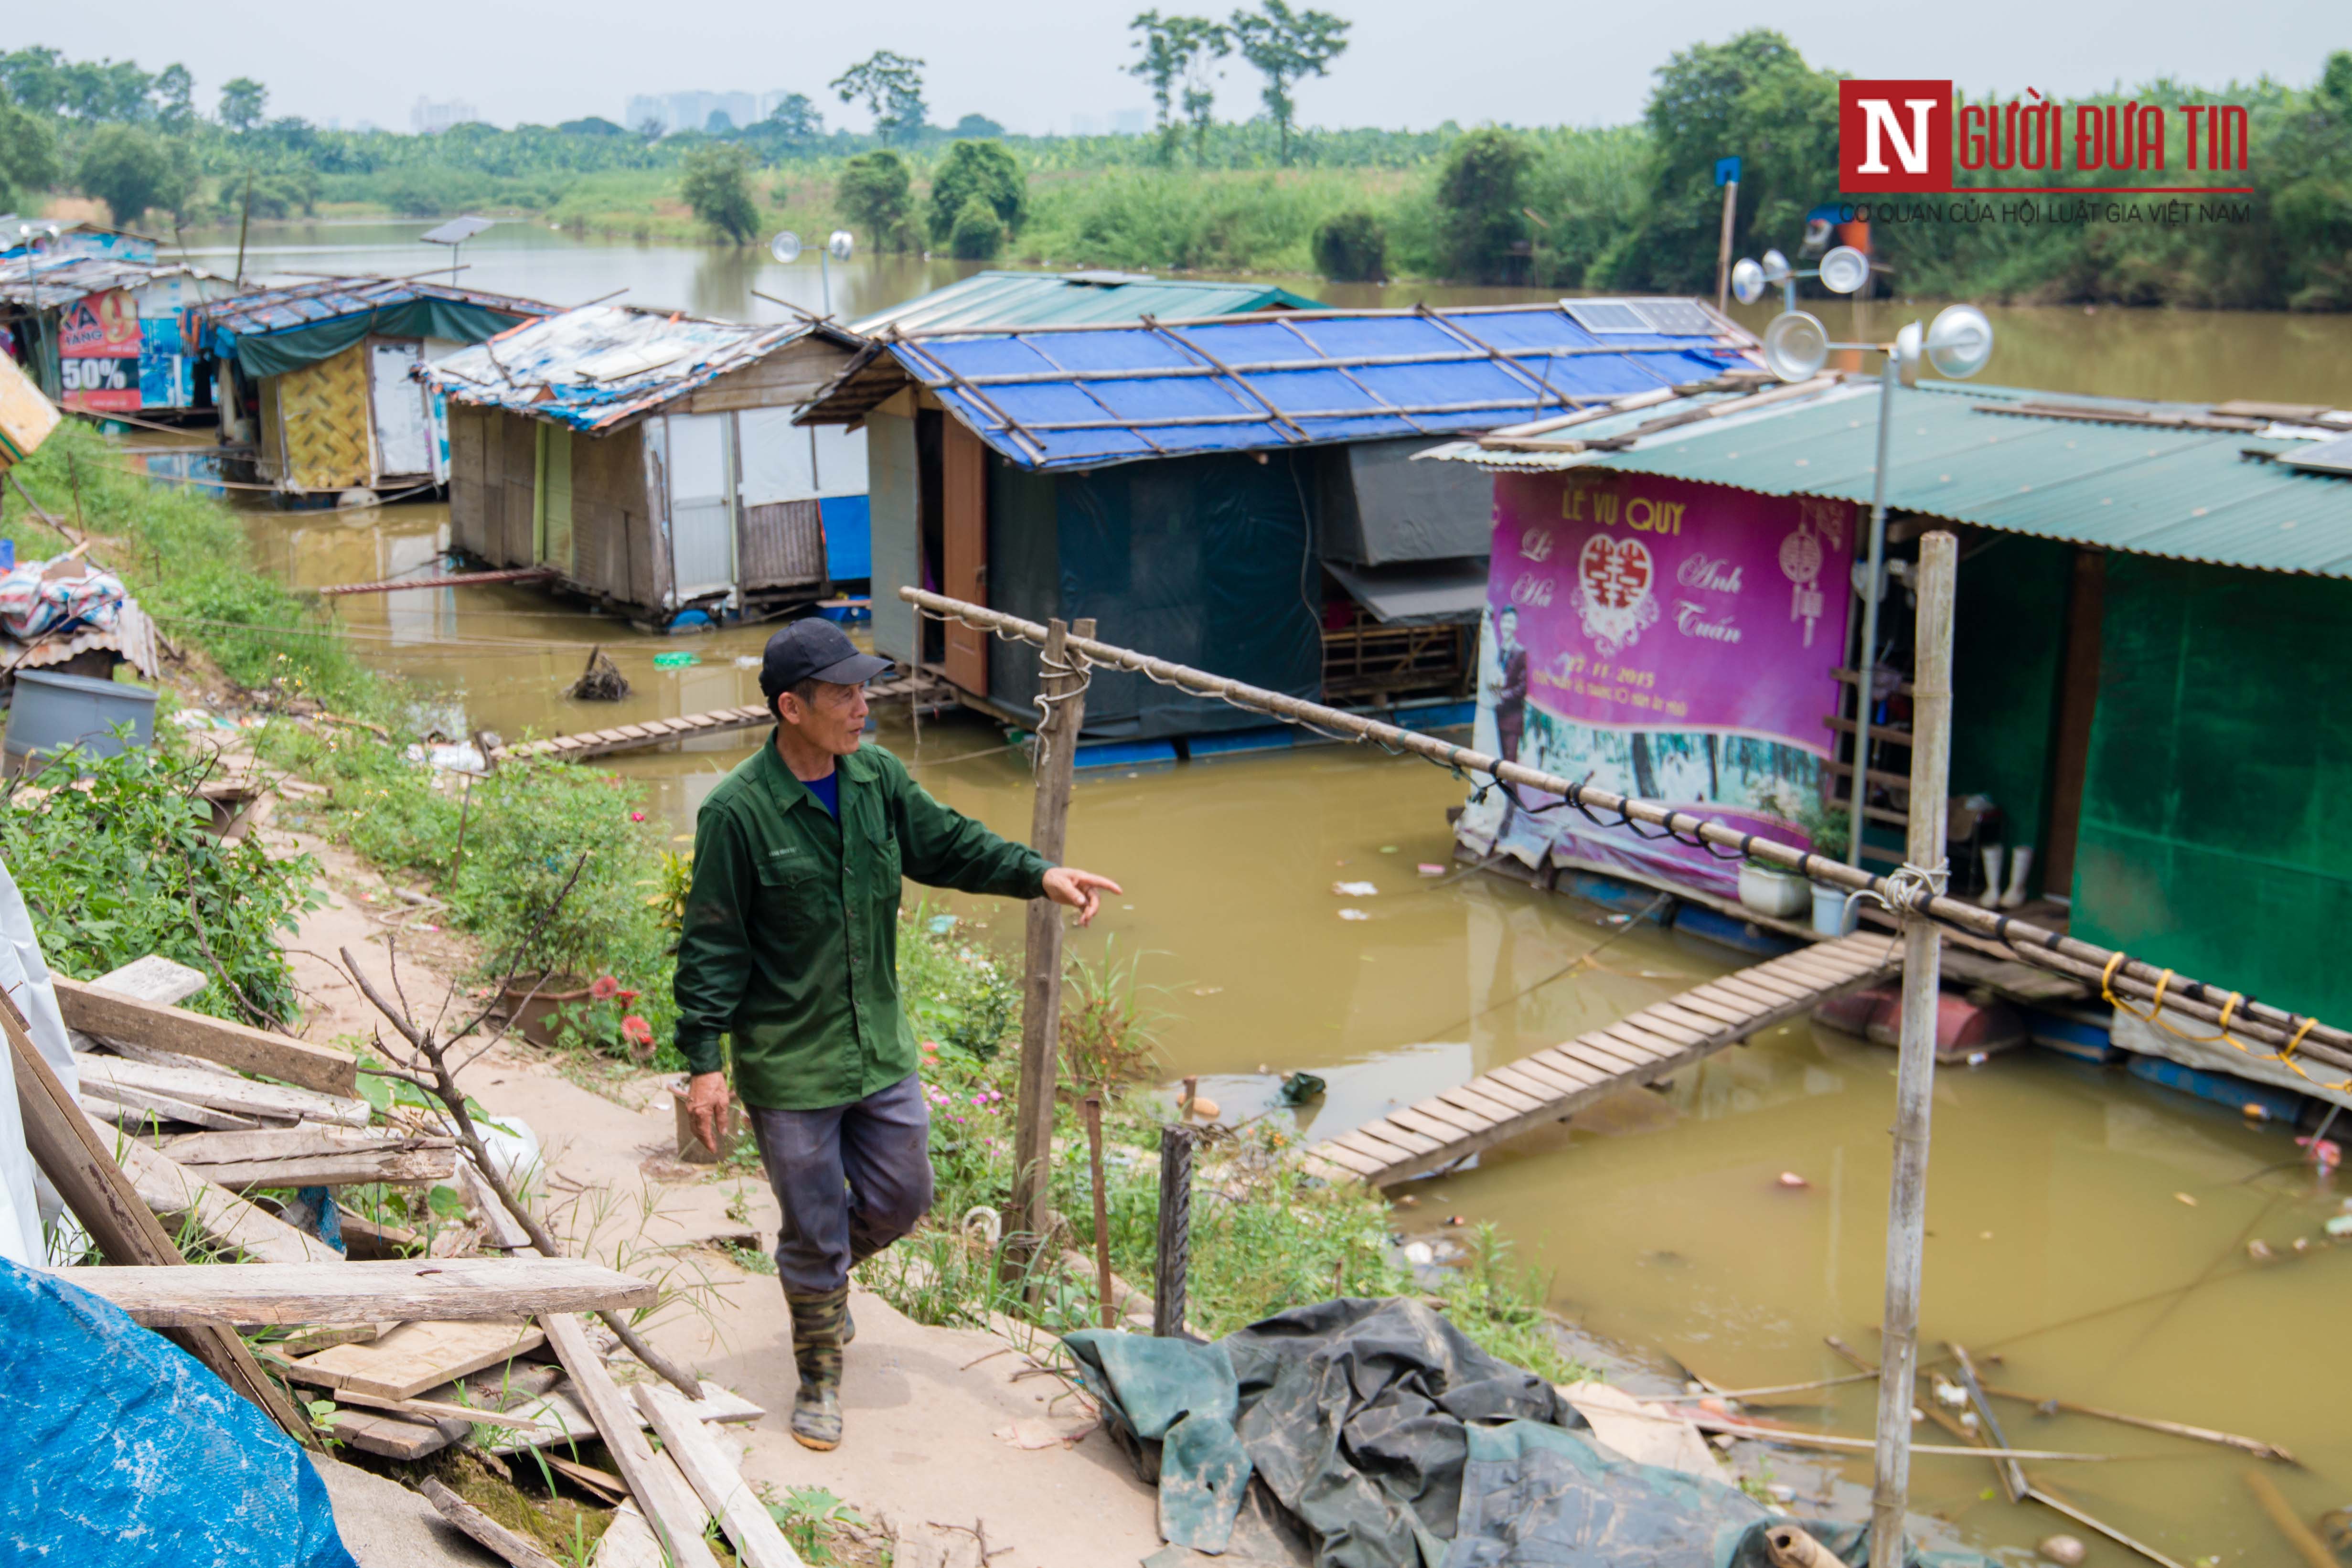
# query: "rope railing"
{"type": "Point", "coordinates": [2292, 1039]}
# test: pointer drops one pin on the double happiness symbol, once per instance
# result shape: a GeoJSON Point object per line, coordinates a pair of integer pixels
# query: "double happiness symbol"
{"type": "Point", "coordinates": [1613, 601]}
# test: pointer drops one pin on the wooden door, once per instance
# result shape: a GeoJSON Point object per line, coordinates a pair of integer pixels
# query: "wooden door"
{"type": "Point", "coordinates": [2078, 702]}
{"type": "Point", "coordinates": [963, 565]}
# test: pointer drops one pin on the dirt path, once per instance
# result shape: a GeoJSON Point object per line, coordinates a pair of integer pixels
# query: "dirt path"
{"type": "Point", "coordinates": [934, 1416]}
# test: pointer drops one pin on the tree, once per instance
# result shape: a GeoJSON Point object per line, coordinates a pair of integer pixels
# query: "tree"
{"type": "Point", "coordinates": [28, 158]}
{"type": "Point", "coordinates": [797, 119]}
{"type": "Point", "coordinates": [594, 125]}
{"type": "Point", "coordinates": [1479, 201]}
{"type": "Point", "coordinates": [243, 101]}
{"type": "Point", "coordinates": [875, 193]}
{"type": "Point", "coordinates": [977, 172]}
{"type": "Point", "coordinates": [1284, 46]}
{"type": "Point", "coordinates": [891, 88]}
{"type": "Point", "coordinates": [34, 78]}
{"type": "Point", "coordinates": [175, 99]}
{"type": "Point", "coordinates": [1176, 49]}
{"type": "Point", "coordinates": [976, 127]}
{"type": "Point", "coordinates": [718, 124]}
{"type": "Point", "coordinates": [718, 187]}
{"type": "Point", "coordinates": [128, 169]}
{"type": "Point", "coordinates": [978, 233]}
{"type": "Point", "coordinates": [1753, 96]}
{"type": "Point", "coordinates": [1352, 248]}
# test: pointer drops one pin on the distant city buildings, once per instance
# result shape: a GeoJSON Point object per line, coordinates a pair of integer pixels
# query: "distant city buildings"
{"type": "Point", "coordinates": [1118, 122]}
{"type": "Point", "coordinates": [672, 111]}
{"type": "Point", "coordinates": [429, 118]}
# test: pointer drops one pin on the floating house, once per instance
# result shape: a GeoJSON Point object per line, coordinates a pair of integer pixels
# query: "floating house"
{"type": "Point", "coordinates": [2146, 661]}
{"type": "Point", "coordinates": [319, 379]}
{"type": "Point", "coordinates": [1234, 493]}
{"type": "Point", "coordinates": [95, 320]}
{"type": "Point", "coordinates": [1006, 301]}
{"type": "Point", "coordinates": [649, 459]}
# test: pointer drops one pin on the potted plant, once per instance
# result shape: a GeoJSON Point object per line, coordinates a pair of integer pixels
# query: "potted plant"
{"type": "Point", "coordinates": [1829, 827]}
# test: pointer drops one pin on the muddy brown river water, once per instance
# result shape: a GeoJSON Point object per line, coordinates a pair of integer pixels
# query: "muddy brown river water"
{"type": "Point", "coordinates": [2086, 1227]}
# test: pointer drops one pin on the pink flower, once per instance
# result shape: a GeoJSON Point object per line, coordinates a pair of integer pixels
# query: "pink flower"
{"type": "Point", "coordinates": [637, 1030]}
{"type": "Point", "coordinates": [637, 816]}
{"type": "Point", "coordinates": [604, 988]}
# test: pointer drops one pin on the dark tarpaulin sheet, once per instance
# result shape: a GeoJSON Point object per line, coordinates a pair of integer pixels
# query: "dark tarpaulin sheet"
{"type": "Point", "coordinates": [275, 353]}
{"type": "Point", "coordinates": [1398, 1443]}
{"type": "Point", "coordinates": [1418, 593]}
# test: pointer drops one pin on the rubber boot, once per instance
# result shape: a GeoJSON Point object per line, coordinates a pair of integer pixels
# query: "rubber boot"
{"type": "Point", "coordinates": [817, 1322]}
{"type": "Point", "coordinates": [1991, 894]}
{"type": "Point", "coordinates": [2021, 861]}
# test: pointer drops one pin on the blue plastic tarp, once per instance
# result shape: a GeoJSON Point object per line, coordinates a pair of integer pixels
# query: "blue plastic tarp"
{"type": "Point", "coordinates": [121, 1451]}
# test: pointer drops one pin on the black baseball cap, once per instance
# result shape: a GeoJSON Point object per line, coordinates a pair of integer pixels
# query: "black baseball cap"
{"type": "Point", "coordinates": [813, 649]}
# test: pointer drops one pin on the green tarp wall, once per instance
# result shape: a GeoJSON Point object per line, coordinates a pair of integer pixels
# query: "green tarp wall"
{"type": "Point", "coordinates": [275, 353]}
{"type": "Point", "coordinates": [2214, 837]}
{"type": "Point", "coordinates": [1207, 560]}
{"type": "Point", "coordinates": [2009, 644]}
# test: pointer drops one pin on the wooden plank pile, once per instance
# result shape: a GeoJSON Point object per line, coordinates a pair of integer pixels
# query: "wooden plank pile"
{"type": "Point", "coordinates": [182, 1118]}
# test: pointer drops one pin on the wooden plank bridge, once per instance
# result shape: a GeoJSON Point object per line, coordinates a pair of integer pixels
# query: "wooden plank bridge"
{"type": "Point", "coordinates": [1556, 1082]}
{"type": "Point", "coordinates": [921, 687]}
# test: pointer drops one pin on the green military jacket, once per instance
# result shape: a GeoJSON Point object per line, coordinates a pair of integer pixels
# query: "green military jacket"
{"type": "Point", "coordinates": [791, 938]}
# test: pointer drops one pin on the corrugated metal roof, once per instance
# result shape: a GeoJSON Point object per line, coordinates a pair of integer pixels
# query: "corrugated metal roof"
{"type": "Point", "coordinates": [1083, 396]}
{"type": "Point", "coordinates": [1998, 457]}
{"type": "Point", "coordinates": [308, 304]}
{"type": "Point", "coordinates": [593, 367]}
{"type": "Point", "coordinates": [35, 281]}
{"type": "Point", "coordinates": [1009, 299]}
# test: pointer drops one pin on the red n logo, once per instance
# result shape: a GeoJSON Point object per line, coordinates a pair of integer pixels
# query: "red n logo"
{"type": "Point", "coordinates": [1895, 136]}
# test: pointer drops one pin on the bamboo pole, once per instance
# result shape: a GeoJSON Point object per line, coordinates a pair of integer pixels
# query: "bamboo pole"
{"type": "Point", "coordinates": [2254, 1446]}
{"type": "Point", "coordinates": [2032, 943]}
{"type": "Point", "coordinates": [1873, 590]}
{"type": "Point", "coordinates": [1091, 1107]}
{"type": "Point", "coordinates": [2307, 1546]}
{"type": "Point", "coordinates": [1064, 685]}
{"type": "Point", "coordinates": [1914, 1086]}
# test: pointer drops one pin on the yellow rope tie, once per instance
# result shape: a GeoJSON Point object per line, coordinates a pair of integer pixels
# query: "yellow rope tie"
{"type": "Point", "coordinates": [2155, 1015]}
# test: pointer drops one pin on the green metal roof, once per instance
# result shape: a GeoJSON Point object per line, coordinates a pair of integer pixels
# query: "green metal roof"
{"type": "Point", "coordinates": [1001, 301]}
{"type": "Point", "coordinates": [2191, 494]}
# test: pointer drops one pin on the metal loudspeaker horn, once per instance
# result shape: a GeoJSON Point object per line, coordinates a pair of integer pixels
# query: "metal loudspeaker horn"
{"type": "Point", "coordinates": [1844, 270]}
{"type": "Point", "coordinates": [1776, 267]}
{"type": "Point", "coordinates": [1796, 346]}
{"type": "Point", "coordinates": [1960, 342]}
{"type": "Point", "coordinates": [1747, 283]}
{"type": "Point", "coordinates": [785, 247]}
{"type": "Point", "coordinates": [1907, 344]}
{"type": "Point", "coordinates": [840, 243]}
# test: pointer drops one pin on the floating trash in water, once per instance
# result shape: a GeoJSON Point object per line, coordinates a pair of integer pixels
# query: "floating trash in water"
{"type": "Point", "coordinates": [2064, 1549]}
{"type": "Point", "coordinates": [1388, 849]}
{"type": "Point", "coordinates": [939, 925]}
{"type": "Point", "coordinates": [2184, 1197]}
{"type": "Point", "coordinates": [680, 660]}
{"type": "Point", "coordinates": [2338, 1226]}
{"type": "Point", "coordinates": [1300, 1087]}
{"type": "Point", "coordinates": [1355, 889]}
{"type": "Point", "coordinates": [1430, 868]}
{"type": "Point", "coordinates": [1790, 1179]}
{"type": "Point", "coordinates": [1353, 915]}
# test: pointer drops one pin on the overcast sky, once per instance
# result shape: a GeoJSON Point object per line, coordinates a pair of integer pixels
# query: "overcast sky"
{"type": "Point", "coordinates": [1035, 67]}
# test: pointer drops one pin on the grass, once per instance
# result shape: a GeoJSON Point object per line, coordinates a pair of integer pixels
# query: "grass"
{"type": "Point", "coordinates": [1265, 1237]}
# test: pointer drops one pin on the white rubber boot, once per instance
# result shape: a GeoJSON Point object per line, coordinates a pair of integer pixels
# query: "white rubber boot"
{"type": "Point", "coordinates": [1991, 894]}
{"type": "Point", "coordinates": [2019, 862]}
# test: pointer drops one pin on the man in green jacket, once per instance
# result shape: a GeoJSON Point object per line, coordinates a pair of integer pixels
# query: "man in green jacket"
{"type": "Point", "coordinates": [789, 950]}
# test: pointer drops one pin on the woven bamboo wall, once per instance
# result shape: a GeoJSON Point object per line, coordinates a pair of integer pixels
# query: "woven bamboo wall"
{"type": "Point", "coordinates": [323, 410]}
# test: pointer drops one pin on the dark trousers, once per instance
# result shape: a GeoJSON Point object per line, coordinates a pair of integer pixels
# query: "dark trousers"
{"type": "Point", "coordinates": [851, 1179]}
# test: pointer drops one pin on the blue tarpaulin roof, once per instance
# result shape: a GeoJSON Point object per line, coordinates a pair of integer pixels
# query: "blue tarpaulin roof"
{"type": "Point", "coordinates": [1083, 396]}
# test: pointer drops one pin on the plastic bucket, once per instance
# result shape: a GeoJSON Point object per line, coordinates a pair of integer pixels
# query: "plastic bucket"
{"type": "Point", "coordinates": [52, 712]}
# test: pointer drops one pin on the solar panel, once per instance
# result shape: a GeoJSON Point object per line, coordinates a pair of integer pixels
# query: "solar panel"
{"type": "Point", "coordinates": [1676, 318]}
{"type": "Point", "coordinates": [1600, 316]}
{"type": "Point", "coordinates": [2326, 457]}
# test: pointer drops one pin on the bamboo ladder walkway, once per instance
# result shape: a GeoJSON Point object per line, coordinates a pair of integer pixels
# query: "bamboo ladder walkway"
{"type": "Point", "coordinates": [1558, 1081]}
{"type": "Point", "coordinates": [921, 687]}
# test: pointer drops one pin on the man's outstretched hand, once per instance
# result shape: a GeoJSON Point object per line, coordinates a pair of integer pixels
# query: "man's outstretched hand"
{"type": "Point", "coordinates": [1081, 890]}
{"type": "Point", "coordinates": [705, 1106]}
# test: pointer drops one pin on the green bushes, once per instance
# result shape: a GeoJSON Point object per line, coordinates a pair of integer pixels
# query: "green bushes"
{"type": "Point", "coordinates": [979, 234]}
{"type": "Point", "coordinates": [1352, 248]}
{"type": "Point", "coordinates": [1479, 205]}
{"type": "Point", "coordinates": [716, 184]}
{"type": "Point", "coordinates": [982, 172]}
{"type": "Point", "coordinates": [876, 192]}
{"type": "Point", "coordinates": [120, 866]}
